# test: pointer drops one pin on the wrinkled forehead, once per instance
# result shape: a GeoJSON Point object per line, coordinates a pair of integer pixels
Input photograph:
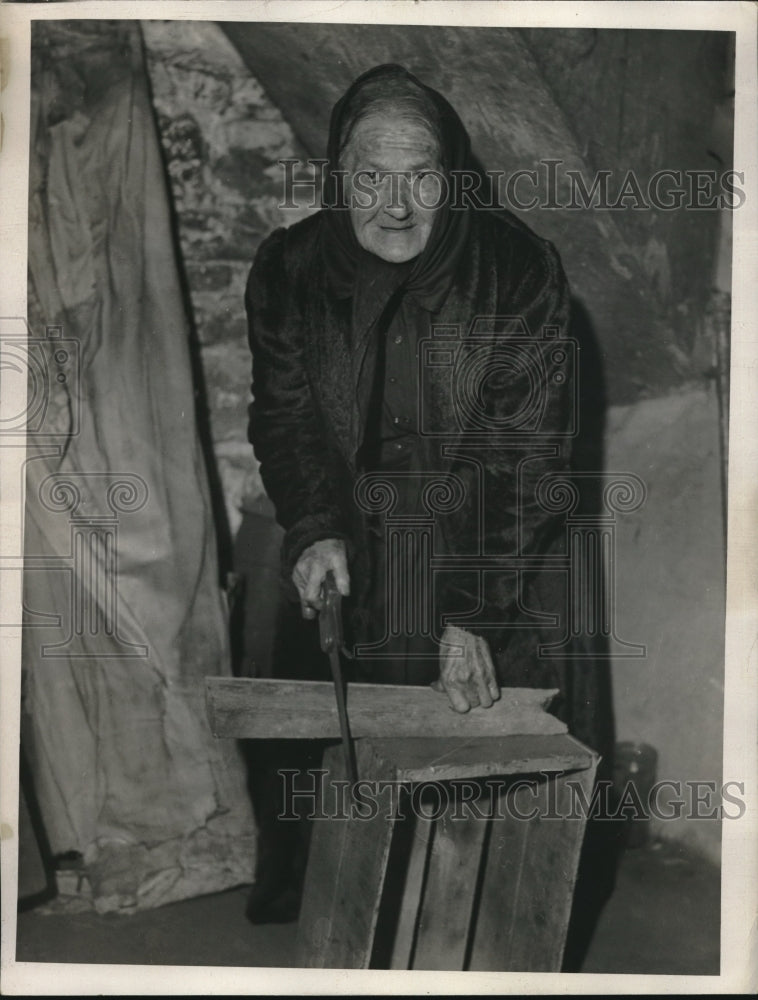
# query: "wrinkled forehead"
{"type": "Point", "coordinates": [387, 131]}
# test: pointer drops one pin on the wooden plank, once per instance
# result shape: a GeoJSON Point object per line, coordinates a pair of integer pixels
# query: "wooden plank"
{"type": "Point", "coordinates": [497, 912]}
{"type": "Point", "coordinates": [447, 904]}
{"type": "Point", "coordinates": [345, 875]}
{"type": "Point", "coordinates": [411, 899]}
{"type": "Point", "coordinates": [529, 879]}
{"type": "Point", "coordinates": [547, 881]}
{"type": "Point", "coordinates": [441, 759]}
{"type": "Point", "coordinates": [260, 708]}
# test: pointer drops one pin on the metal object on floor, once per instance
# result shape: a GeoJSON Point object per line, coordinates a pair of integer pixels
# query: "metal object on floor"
{"type": "Point", "coordinates": [634, 774]}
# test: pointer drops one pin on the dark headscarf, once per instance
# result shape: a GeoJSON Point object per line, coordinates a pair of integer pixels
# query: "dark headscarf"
{"type": "Point", "coordinates": [356, 272]}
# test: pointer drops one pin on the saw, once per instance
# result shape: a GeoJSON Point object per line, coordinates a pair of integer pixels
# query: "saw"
{"type": "Point", "coordinates": [330, 633]}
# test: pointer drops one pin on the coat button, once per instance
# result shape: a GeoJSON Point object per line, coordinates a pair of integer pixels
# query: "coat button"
{"type": "Point", "coordinates": [398, 339]}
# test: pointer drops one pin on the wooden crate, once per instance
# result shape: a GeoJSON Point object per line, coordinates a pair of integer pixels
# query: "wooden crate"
{"type": "Point", "coordinates": [458, 852]}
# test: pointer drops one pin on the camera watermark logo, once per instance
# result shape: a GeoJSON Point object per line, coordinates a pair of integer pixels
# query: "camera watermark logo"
{"type": "Point", "coordinates": [77, 513]}
{"type": "Point", "coordinates": [497, 379]}
{"type": "Point", "coordinates": [43, 374]}
{"type": "Point", "coordinates": [499, 407]}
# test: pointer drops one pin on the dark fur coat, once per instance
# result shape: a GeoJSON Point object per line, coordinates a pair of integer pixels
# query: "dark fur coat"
{"type": "Point", "coordinates": [311, 388]}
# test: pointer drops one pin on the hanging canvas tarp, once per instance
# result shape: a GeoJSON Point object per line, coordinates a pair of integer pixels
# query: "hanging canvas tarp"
{"type": "Point", "coordinates": [124, 611]}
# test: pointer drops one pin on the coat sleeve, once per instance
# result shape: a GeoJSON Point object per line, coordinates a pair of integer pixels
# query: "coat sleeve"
{"type": "Point", "coordinates": [285, 426]}
{"type": "Point", "coordinates": [513, 521]}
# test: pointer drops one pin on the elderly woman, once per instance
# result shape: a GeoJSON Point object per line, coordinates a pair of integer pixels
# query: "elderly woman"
{"type": "Point", "coordinates": [339, 305]}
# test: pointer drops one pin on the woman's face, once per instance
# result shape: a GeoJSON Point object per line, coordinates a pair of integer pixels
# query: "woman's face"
{"type": "Point", "coordinates": [388, 186]}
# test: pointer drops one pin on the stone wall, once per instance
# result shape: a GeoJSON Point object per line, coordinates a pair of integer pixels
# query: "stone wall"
{"type": "Point", "coordinates": [222, 138]}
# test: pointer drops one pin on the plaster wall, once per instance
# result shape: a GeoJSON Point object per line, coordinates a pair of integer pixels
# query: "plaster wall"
{"type": "Point", "coordinates": [670, 596]}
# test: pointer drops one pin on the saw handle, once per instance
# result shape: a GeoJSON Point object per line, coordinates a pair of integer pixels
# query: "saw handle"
{"type": "Point", "coordinates": [330, 616]}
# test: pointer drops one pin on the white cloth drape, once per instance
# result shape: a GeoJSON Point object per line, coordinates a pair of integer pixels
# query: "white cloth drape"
{"type": "Point", "coordinates": [124, 612]}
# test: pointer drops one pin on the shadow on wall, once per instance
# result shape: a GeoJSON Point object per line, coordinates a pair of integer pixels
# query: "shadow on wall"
{"type": "Point", "coordinates": [603, 844]}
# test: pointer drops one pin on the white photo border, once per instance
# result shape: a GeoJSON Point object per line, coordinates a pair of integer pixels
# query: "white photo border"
{"type": "Point", "coordinates": [739, 949]}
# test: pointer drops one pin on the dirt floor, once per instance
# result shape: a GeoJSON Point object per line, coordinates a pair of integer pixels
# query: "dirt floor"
{"type": "Point", "coordinates": [662, 918]}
